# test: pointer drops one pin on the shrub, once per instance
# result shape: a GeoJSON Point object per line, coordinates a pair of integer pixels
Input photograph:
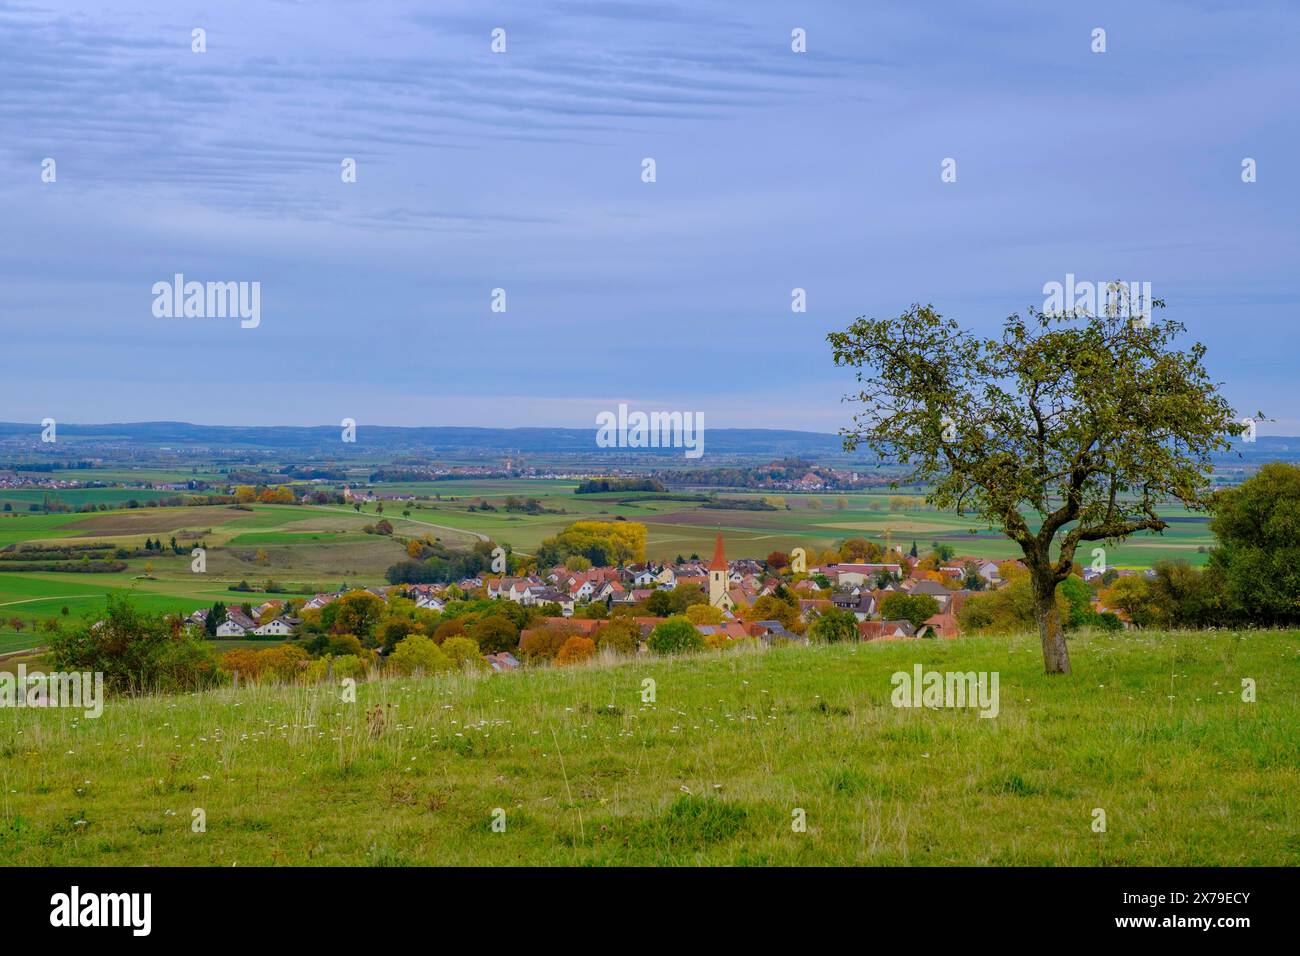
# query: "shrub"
{"type": "Point", "coordinates": [575, 649]}
{"type": "Point", "coordinates": [418, 652]}
{"type": "Point", "coordinates": [621, 636]}
{"type": "Point", "coordinates": [676, 635]}
{"type": "Point", "coordinates": [835, 626]}
{"type": "Point", "coordinates": [543, 643]}
{"type": "Point", "coordinates": [285, 663]}
{"type": "Point", "coordinates": [136, 652]}
{"type": "Point", "coordinates": [462, 651]}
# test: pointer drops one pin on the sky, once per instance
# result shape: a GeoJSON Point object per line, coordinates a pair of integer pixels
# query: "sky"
{"type": "Point", "coordinates": [522, 170]}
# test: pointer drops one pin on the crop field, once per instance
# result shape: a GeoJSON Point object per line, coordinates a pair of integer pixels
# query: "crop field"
{"type": "Point", "coordinates": [581, 769]}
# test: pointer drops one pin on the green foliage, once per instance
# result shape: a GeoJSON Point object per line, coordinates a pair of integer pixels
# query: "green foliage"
{"type": "Point", "coordinates": [834, 626]}
{"type": "Point", "coordinates": [916, 608]}
{"type": "Point", "coordinates": [1008, 610]}
{"type": "Point", "coordinates": [494, 634]}
{"type": "Point", "coordinates": [1089, 422]}
{"type": "Point", "coordinates": [418, 653]}
{"type": "Point", "coordinates": [675, 636]}
{"type": "Point", "coordinates": [462, 651]}
{"type": "Point", "coordinates": [1257, 562]}
{"type": "Point", "coordinates": [619, 635]}
{"type": "Point", "coordinates": [601, 542]}
{"type": "Point", "coordinates": [665, 603]}
{"type": "Point", "coordinates": [135, 651]}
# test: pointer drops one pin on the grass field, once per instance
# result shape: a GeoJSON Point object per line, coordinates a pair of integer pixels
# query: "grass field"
{"type": "Point", "coordinates": [1151, 729]}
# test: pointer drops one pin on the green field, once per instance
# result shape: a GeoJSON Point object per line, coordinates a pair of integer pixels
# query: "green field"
{"type": "Point", "coordinates": [1151, 729]}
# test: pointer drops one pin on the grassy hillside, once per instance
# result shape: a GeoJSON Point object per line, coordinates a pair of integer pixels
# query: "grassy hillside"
{"type": "Point", "coordinates": [1151, 728]}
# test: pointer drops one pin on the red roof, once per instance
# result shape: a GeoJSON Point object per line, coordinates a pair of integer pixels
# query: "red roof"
{"type": "Point", "coordinates": [719, 562]}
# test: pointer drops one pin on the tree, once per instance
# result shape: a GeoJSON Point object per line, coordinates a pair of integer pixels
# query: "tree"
{"type": "Point", "coordinates": [916, 608]}
{"type": "Point", "coordinates": [418, 652]}
{"type": "Point", "coordinates": [835, 626]}
{"type": "Point", "coordinates": [1132, 595]}
{"type": "Point", "coordinates": [776, 560]}
{"type": "Point", "coordinates": [543, 643]}
{"type": "Point", "coordinates": [675, 636]}
{"type": "Point", "coordinates": [462, 652]}
{"type": "Point", "coordinates": [136, 652]}
{"type": "Point", "coordinates": [770, 607]}
{"type": "Point", "coordinates": [575, 649]}
{"type": "Point", "coordinates": [620, 635]}
{"type": "Point", "coordinates": [704, 614]}
{"type": "Point", "coordinates": [1257, 561]}
{"type": "Point", "coordinates": [1088, 422]}
{"type": "Point", "coordinates": [1183, 596]}
{"type": "Point", "coordinates": [358, 613]}
{"type": "Point", "coordinates": [495, 634]}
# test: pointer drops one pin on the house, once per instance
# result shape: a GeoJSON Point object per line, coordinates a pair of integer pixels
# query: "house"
{"type": "Point", "coordinates": [277, 627]}
{"type": "Point", "coordinates": [504, 661]}
{"type": "Point", "coordinates": [430, 603]}
{"type": "Point", "coordinates": [732, 631]}
{"type": "Point", "coordinates": [814, 607]}
{"type": "Point", "coordinates": [236, 624]}
{"type": "Point", "coordinates": [770, 631]}
{"type": "Point", "coordinates": [861, 603]}
{"type": "Point", "coordinates": [547, 595]}
{"type": "Point", "coordinates": [859, 574]}
{"type": "Point", "coordinates": [885, 630]}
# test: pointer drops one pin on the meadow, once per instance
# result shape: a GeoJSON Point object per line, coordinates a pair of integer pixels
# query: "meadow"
{"type": "Point", "coordinates": [1152, 729]}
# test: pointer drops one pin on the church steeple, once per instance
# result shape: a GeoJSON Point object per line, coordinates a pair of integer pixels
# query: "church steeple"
{"type": "Point", "coordinates": [718, 596]}
{"type": "Point", "coordinates": [719, 562]}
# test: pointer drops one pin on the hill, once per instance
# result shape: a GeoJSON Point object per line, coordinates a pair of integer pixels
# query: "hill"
{"type": "Point", "coordinates": [1152, 729]}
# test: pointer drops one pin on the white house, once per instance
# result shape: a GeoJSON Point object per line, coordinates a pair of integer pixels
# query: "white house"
{"type": "Point", "coordinates": [276, 627]}
{"type": "Point", "coordinates": [230, 628]}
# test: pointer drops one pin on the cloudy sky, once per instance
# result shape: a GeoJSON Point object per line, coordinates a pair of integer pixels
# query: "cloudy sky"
{"type": "Point", "coordinates": [522, 170]}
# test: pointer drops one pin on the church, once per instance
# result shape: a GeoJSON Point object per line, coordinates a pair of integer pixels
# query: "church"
{"type": "Point", "coordinates": [719, 582]}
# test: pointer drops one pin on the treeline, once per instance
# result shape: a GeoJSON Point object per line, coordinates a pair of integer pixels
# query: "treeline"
{"type": "Point", "coordinates": [739, 504]}
{"type": "Point", "coordinates": [434, 563]}
{"type": "Point", "coordinates": [596, 485]}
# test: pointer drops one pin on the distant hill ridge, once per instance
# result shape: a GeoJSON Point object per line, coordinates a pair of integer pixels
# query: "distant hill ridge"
{"type": "Point", "coordinates": [763, 442]}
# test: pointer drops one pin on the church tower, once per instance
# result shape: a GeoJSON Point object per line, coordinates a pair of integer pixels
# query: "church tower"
{"type": "Point", "coordinates": [719, 585]}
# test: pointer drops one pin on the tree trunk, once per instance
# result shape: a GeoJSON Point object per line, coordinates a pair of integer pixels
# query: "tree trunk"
{"type": "Point", "coordinates": [1056, 656]}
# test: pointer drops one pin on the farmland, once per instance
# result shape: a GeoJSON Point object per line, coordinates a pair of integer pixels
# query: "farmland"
{"type": "Point", "coordinates": [303, 548]}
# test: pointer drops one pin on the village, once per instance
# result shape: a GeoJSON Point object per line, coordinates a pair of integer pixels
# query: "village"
{"type": "Point", "coordinates": [725, 600]}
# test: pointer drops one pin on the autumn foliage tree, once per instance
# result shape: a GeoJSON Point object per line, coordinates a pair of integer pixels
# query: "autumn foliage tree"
{"type": "Point", "coordinates": [1062, 431]}
{"type": "Point", "coordinates": [575, 649]}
